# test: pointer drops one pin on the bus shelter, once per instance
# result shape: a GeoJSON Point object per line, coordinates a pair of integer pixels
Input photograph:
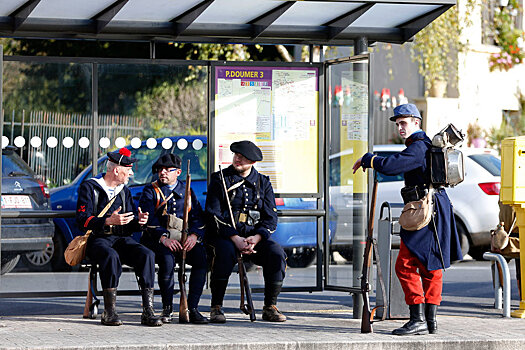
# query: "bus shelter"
{"type": "Point", "coordinates": [311, 119]}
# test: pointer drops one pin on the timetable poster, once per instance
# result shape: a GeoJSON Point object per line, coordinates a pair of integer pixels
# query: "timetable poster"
{"type": "Point", "coordinates": [277, 108]}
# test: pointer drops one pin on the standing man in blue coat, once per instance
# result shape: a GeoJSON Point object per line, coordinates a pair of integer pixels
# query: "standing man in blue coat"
{"type": "Point", "coordinates": [111, 245]}
{"type": "Point", "coordinates": [164, 201]}
{"type": "Point", "coordinates": [253, 206]}
{"type": "Point", "coordinates": [421, 257]}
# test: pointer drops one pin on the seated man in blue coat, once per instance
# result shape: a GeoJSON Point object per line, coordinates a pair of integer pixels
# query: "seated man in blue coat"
{"type": "Point", "coordinates": [255, 215]}
{"type": "Point", "coordinates": [111, 245]}
{"type": "Point", "coordinates": [421, 256]}
{"type": "Point", "coordinates": [164, 201]}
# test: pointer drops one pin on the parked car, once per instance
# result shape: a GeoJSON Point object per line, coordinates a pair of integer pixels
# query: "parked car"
{"type": "Point", "coordinates": [298, 236]}
{"type": "Point", "coordinates": [474, 201]}
{"type": "Point", "coordinates": [22, 191]}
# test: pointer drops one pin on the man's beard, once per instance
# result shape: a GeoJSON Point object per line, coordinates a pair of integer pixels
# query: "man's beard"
{"type": "Point", "coordinates": [163, 181]}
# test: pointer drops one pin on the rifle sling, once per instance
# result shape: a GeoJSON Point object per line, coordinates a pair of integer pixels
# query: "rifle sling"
{"type": "Point", "coordinates": [241, 276]}
{"type": "Point", "coordinates": [381, 283]}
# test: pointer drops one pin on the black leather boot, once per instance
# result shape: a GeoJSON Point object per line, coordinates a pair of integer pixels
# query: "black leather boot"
{"type": "Point", "coordinates": [196, 317]}
{"type": "Point", "coordinates": [417, 323]}
{"type": "Point", "coordinates": [167, 314]}
{"type": "Point", "coordinates": [148, 317]}
{"type": "Point", "coordinates": [110, 316]}
{"type": "Point", "coordinates": [430, 315]}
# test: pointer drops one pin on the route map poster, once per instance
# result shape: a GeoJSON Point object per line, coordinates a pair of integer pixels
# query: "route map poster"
{"type": "Point", "coordinates": [277, 108]}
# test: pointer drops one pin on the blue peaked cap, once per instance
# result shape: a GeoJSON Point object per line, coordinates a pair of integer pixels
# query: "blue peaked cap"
{"type": "Point", "coordinates": [406, 110]}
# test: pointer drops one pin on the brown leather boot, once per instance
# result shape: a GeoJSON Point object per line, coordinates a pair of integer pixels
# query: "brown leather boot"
{"type": "Point", "coordinates": [110, 316]}
{"type": "Point", "coordinates": [272, 314]}
{"type": "Point", "coordinates": [217, 315]}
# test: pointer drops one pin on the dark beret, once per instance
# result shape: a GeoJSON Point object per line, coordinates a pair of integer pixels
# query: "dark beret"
{"type": "Point", "coordinates": [406, 110]}
{"type": "Point", "coordinates": [248, 149]}
{"type": "Point", "coordinates": [122, 157]}
{"type": "Point", "coordinates": [167, 160]}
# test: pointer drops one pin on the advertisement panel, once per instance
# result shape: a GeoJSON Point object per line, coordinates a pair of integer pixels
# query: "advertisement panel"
{"type": "Point", "coordinates": [277, 108]}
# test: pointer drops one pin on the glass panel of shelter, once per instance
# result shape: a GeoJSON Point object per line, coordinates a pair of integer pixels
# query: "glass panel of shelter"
{"type": "Point", "coordinates": [138, 107]}
{"type": "Point", "coordinates": [347, 109]}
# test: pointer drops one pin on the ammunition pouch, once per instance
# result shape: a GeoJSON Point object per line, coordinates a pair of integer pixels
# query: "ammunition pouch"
{"type": "Point", "coordinates": [413, 193]}
{"type": "Point", "coordinates": [251, 218]}
{"type": "Point", "coordinates": [113, 230]}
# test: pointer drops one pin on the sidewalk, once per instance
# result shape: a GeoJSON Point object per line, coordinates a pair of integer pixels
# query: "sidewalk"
{"type": "Point", "coordinates": [320, 321]}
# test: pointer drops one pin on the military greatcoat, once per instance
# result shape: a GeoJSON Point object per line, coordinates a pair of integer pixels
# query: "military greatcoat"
{"type": "Point", "coordinates": [414, 163]}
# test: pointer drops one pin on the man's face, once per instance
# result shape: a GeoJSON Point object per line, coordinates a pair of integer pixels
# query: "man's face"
{"type": "Point", "coordinates": [123, 174]}
{"type": "Point", "coordinates": [241, 163]}
{"type": "Point", "coordinates": [168, 176]}
{"type": "Point", "coordinates": [406, 126]}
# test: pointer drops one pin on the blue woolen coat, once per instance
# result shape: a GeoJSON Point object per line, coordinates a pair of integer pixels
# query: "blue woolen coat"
{"type": "Point", "coordinates": [414, 163]}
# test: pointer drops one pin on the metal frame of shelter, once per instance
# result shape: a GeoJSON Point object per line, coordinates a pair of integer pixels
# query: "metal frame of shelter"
{"type": "Point", "coordinates": [352, 23]}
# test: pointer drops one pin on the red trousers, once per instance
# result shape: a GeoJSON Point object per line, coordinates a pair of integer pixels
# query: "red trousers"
{"type": "Point", "coordinates": [419, 287]}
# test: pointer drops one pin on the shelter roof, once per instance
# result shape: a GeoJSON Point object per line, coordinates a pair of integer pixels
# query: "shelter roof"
{"type": "Point", "coordinates": [322, 22]}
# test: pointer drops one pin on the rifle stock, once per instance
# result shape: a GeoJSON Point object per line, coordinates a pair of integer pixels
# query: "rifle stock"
{"type": "Point", "coordinates": [366, 319]}
{"type": "Point", "coordinates": [89, 299]}
{"type": "Point", "coordinates": [184, 316]}
{"type": "Point", "coordinates": [247, 307]}
{"type": "Point", "coordinates": [92, 302]}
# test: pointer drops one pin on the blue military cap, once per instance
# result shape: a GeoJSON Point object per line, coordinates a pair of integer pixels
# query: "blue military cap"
{"type": "Point", "coordinates": [406, 110]}
{"type": "Point", "coordinates": [248, 149]}
{"type": "Point", "coordinates": [122, 157]}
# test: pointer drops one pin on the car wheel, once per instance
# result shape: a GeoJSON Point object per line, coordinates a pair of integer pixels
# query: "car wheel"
{"type": "Point", "coordinates": [40, 260]}
{"type": "Point", "coordinates": [463, 238]}
{"type": "Point", "coordinates": [58, 262]}
{"type": "Point", "coordinates": [346, 252]}
{"type": "Point", "coordinates": [300, 257]}
{"type": "Point", "coordinates": [8, 262]}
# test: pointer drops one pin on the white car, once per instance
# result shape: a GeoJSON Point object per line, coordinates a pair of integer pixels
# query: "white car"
{"type": "Point", "coordinates": [475, 200]}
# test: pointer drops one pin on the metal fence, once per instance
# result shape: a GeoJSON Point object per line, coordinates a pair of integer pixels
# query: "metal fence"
{"type": "Point", "coordinates": [51, 144]}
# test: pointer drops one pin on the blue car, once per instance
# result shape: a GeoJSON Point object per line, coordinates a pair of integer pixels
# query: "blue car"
{"type": "Point", "coordinates": [297, 235]}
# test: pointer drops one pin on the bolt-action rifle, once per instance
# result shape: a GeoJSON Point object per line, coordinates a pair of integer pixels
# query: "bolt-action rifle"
{"type": "Point", "coordinates": [247, 307]}
{"type": "Point", "coordinates": [367, 317]}
{"type": "Point", "coordinates": [183, 303]}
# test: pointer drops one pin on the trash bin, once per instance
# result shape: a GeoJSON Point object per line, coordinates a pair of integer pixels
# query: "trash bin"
{"type": "Point", "coordinates": [388, 248]}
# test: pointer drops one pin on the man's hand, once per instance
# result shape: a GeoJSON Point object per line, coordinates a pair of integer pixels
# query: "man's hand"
{"type": "Point", "coordinates": [143, 217]}
{"type": "Point", "coordinates": [252, 242]}
{"type": "Point", "coordinates": [240, 243]}
{"type": "Point", "coordinates": [119, 219]}
{"type": "Point", "coordinates": [191, 240]}
{"type": "Point", "coordinates": [171, 244]}
{"type": "Point", "coordinates": [357, 165]}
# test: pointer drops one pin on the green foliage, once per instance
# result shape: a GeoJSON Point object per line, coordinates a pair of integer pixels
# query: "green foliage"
{"type": "Point", "coordinates": [436, 47]}
{"type": "Point", "coordinates": [173, 108]}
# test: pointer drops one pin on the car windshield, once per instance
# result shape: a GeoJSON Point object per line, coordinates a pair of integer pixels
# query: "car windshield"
{"type": "Point", "coordinates": [489, 162]}
{"type": "Point", "coordinates": [146, 157]}
{"type": "Point", "coordinates": [13, 165]}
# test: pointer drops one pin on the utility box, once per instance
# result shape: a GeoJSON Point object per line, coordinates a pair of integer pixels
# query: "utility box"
{"type": "Point", "coordinates": [388, 249]}
{"type": "Point", "coordinates": [513, 170]}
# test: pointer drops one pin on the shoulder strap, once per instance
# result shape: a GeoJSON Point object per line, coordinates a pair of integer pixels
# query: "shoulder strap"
{"type": "Point", "coordinates": [123, 198]}
{"type": "Point", "coordinates": [160, 194]}
{"type": "Point", "coordinates": [95, 197]}
{"type": "Point", "coordinates": [106, 208]}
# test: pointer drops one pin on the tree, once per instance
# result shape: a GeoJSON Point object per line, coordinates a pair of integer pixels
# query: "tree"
{"type": "Point", "coordinates": [176, 108]}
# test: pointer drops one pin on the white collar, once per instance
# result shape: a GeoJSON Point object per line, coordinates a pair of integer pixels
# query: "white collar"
{"type": "Point", "coordinates": [106, 188]}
